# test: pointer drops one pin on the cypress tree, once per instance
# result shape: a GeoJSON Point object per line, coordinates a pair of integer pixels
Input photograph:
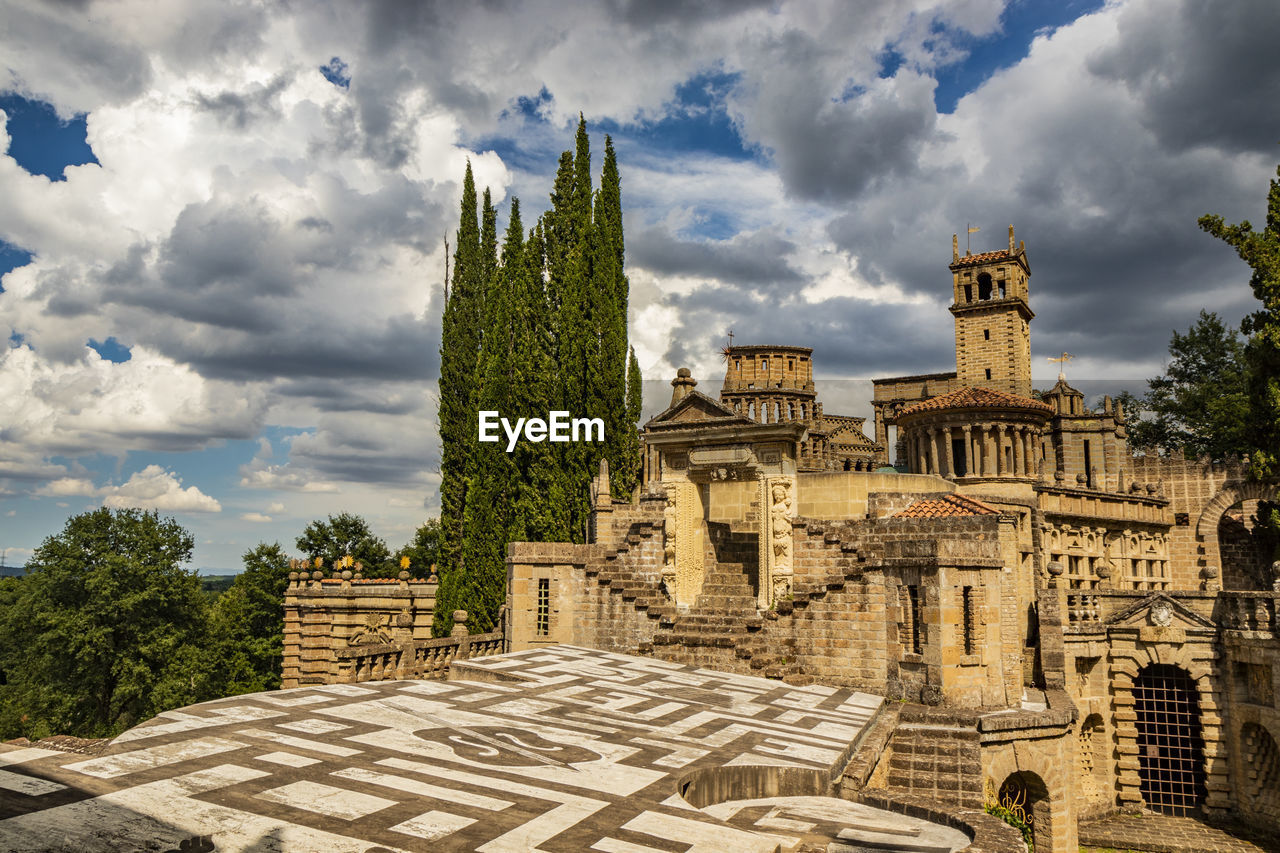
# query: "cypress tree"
{"type": "Point", "coordinates": [459, 348]}
{"type": "Point", "coordinates": [492, 476]}
{"type": "Point", "coordinates": [611, 292]}
{"type": "Point", "coordinates": [631, 450]}
{"type": "Point", "coordinates": [542, 328]}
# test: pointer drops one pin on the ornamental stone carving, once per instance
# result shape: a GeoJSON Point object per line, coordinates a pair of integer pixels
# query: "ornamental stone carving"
{"type": "Point", "coordinates": [776, 545]}
{"type": "Point", "coordinates": [669, 523]}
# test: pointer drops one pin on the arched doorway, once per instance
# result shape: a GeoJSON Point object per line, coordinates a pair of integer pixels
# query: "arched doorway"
{"type": "Point", "coordinates": [1170, 745]}
{"type": "Point", "coordinates": [1025, 796]}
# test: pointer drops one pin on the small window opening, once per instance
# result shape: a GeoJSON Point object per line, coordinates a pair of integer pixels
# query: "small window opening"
{"type": "Point", "coordinates": [986, 334]}
{"type": "Point", "coordinates": [791, 364]}
{"type": "Point", "coordinates": [984, 286]}
{"type": "Point", "coordinates": [1088, 464]}
{"type": "Point", "coordinates": [968, 293]}
{"type": "Point", "coordinates": [967, 605]}
{"type": "Point", "coordinates": [913, 619]}
{"type": "Point", "coordinates": [764, 364]}
{"type": "Point", "coordinates": [544, 607]}
{"type": "Point", "coordinates": [988, 372]}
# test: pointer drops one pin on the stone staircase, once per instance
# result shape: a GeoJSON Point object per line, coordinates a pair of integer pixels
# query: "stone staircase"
{"type": "Point", "coordinates": [724, 629]}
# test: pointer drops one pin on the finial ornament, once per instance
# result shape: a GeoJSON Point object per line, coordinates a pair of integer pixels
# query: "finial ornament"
{"type": "Point", "coordinates": [1062, 364]}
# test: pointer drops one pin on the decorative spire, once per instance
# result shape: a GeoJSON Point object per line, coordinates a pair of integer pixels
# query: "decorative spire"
{"type": "Point", "coordinates": [682, 385]}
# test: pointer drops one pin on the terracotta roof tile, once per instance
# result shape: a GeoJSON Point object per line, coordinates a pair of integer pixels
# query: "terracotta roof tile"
{"type": "Point", "coordinates": [983, 258]}
{"type": "Point", "coordinates": [970, 397]}
{"type": "Point", "coordinates": [947, 506]}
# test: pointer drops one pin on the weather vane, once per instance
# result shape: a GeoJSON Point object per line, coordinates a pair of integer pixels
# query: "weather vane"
{"type": "Point", "coordinates": [969, 229]}
{"type": "Point", "coordinates": [1062, 364]}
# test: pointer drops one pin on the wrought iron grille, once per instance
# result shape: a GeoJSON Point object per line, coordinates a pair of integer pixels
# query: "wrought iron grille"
{"type": "Point", "coordinates": [1170, 745]}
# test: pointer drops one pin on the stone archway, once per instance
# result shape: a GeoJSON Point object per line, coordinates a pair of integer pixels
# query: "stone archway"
{"type": "Point", "coordinates": [1171, 767]}
{"type": "Point", "coordinates": [1025, 795]}
{"type": "Point", "coordinates": [1208, 547]}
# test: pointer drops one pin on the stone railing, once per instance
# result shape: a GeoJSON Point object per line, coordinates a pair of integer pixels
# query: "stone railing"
{"type": "Point", "coordinates": [1232, 610]}
{"type": "Point", "coordinates": [1247, 611]}
{"type": "Point", "coordinates": [1083, 607]}
{"type": "Point", "coordinates": [413, 659]}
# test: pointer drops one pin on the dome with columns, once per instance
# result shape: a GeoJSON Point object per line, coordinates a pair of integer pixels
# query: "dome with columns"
{"type": "Point", "coordinates": [975, 433]}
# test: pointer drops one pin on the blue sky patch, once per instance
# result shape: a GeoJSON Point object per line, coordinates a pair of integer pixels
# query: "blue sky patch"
{"type": "Point", "coordinates": [111, 349]}
{"type": "Point", "coordinates": [42, 143]}
{"type": "Point", "coordinates": [1020, 22]}
{"type": "Point", "coordinates": [11, 257]}
{"type": "Point", "coordinates": [337, 72]}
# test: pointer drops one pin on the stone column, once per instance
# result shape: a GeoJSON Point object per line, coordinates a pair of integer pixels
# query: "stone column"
{"type": "Point", "coordinates": [933, 450]}
{"type": "Point", "coordinates": [969, 460]}
{"type": "Point", "coordinates": [948, 453]}
{"type": "Point", "coordinates": [1017, 435]}
{"type": "Point", "coordinates": [882, 429]}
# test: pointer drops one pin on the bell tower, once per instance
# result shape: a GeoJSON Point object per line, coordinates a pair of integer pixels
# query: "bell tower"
{"type": "Point", "coordinates": [991, 304]}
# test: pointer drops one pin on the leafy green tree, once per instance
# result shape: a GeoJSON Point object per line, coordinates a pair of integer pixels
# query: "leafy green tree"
{"type": "Point", "coordinates": [345, 534]}
{"type": "Point", "coordinates": [423, 550]}
{"type": "Point", "coordinates": [1261, 251]}
{"type": "Point", "coordinates": [246, 635]}
{"type": "Point", "coordinates": [1200, 405]}
{"type": "Point", "coordinates": [105, 631]}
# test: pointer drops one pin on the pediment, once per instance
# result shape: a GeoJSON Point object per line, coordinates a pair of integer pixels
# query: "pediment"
{"type": "Point", "coordinates": [697, 408]}
{"type": "Point", "coordinates": [1157, 610]}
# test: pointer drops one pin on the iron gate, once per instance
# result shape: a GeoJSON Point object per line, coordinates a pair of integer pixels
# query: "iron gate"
{"type": "Point", "coordinates": [1170, 746]}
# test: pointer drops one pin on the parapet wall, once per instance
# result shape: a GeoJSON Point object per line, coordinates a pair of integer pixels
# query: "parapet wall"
{"type": "Point", "coordinates": [326, 616]}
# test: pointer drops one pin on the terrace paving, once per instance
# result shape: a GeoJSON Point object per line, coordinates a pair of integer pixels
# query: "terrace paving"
{"type": "Point", "coordinates": [556, 749]}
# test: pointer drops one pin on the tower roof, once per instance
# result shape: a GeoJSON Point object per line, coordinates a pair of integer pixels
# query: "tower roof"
{"type": "Point", "coordinates": [971, 397]}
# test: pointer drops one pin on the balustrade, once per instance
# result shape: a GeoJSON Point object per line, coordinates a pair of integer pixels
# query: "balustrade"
{"type": "Point", "coordinates": [416, 659]}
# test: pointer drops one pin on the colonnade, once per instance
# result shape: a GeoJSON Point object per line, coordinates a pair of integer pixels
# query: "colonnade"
{"type": "Point", "coordinates": [990, 450]}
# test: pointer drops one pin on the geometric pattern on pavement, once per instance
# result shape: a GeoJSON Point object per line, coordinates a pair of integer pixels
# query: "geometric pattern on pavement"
{"type": "Point", "coordinates": [553, 749]}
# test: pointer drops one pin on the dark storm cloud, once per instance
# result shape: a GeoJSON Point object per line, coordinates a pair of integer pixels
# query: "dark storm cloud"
{"type": "Point", "coordinates": [1204, 73]}
{"type": "Point", "coordinates": [831, 145]}
{"type": "Point", "coordinates": [757, 260]}
{"type": "Point", "coordinates": [849, 336]}
{"type": "Point", "coordinates": [340, 396]}
{"type": "Point", "coordinates": [648, 13]}
{"type": "Point", "coordinates": [90, 59]}
{"type": "Point", "coordinates": [254, 103]}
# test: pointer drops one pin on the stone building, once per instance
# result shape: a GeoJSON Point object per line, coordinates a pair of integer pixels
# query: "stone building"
{"type": "Point", "coordinates": [1071, 629]}
{"type": "Point", "coordinates": [774, 384]}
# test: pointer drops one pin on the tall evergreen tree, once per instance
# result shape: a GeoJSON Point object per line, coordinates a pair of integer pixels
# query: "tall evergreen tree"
{"type": "Point", "coordinates": [459, 349]}
{"type": "Point", "coordinates": [631, 450]}
{"type": "Point", "coordinates": [550, 334]}
{"type": "Point", "coordinates": [493, 478]}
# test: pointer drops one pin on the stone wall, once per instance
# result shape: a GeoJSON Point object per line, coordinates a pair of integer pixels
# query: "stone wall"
{"type": "Point", "coordinates": [325, 615]}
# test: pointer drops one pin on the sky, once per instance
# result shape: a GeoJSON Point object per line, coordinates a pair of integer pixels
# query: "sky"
{"type": "Point", "coordinates": [223, 223]}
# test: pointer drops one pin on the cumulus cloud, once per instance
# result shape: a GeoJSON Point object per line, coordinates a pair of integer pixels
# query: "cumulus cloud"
{"type": "Point", "coordinates": [151, 488]}
{"type": "Point", "coordinates": [267, 238]}
{"type": "Point", "coordinates": [255, 517]}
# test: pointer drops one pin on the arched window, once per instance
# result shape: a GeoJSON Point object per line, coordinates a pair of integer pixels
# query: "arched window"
{"type": "Point", "coordinates": [984, 286]}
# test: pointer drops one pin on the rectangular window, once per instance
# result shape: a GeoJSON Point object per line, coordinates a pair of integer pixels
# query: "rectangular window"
{"type": "Point", "coordinates": [914, 629]}
{"type": "Point", "coordinates": [1088, 465]}
{"type": "Point", "coordinates": [764, 364]}
{"type": "Point", "coordinates": [968, 293]}
{"type": "Point", "coordinates": [988, 372]}
{"type": "Point", "coordinates": [967, 606]}
{"type": "Point", "coordinates": [544, 607]}
{"type": "Point", "coordinates": [986, 334]}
